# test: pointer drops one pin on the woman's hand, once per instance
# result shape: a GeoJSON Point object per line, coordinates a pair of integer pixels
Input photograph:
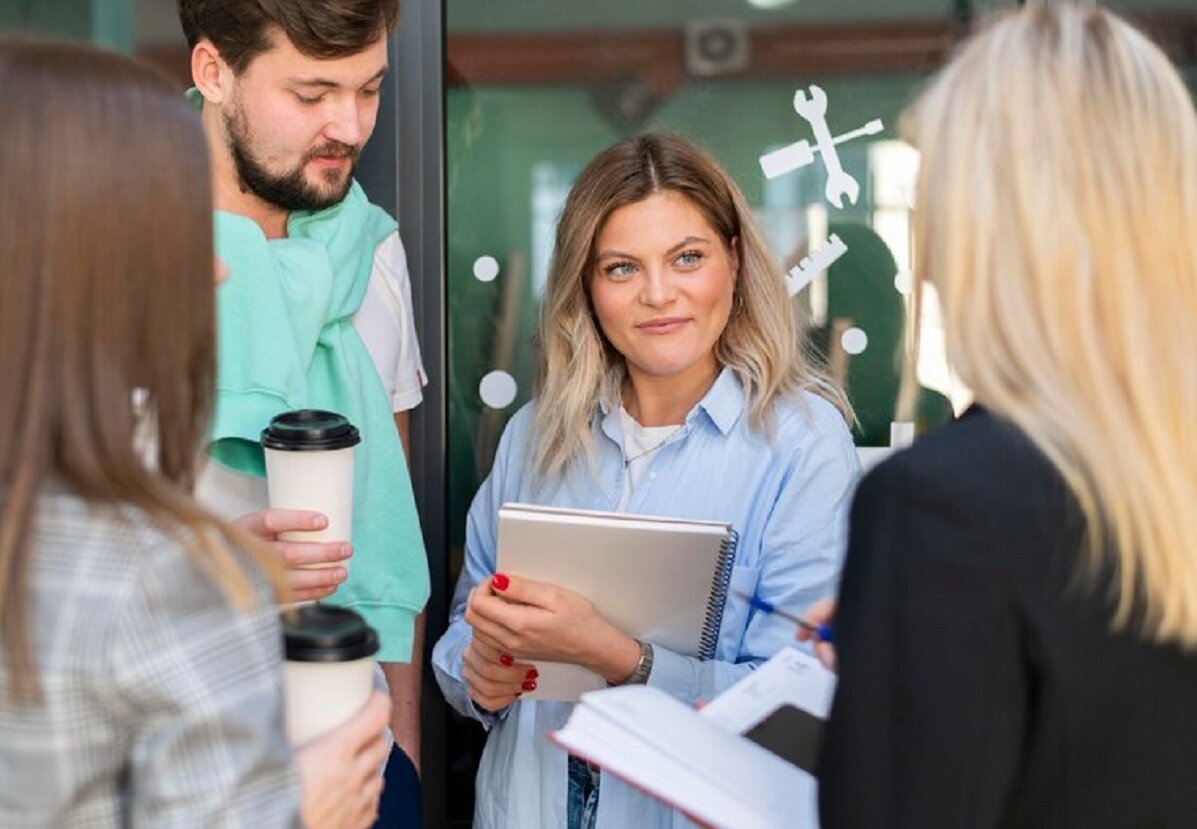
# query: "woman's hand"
{"type": "Point", "coordinates": [307, 580]}
{"type": "Point", "coordinates": [820, 613]}
{"type": "Point", "coordinates": [495, 680]}
{"type": "Point", "coordinates": [340, 773]}
{"type": "Point", "coordinates": [532, 621]}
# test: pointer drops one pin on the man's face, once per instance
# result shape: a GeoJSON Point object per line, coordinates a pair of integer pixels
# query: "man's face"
{"type": "Point", "coordinates": [296, 125]}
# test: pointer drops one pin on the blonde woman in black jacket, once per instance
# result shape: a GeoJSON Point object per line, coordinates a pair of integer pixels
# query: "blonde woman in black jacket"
{"type": "Point", "coordinates": [1018, 613]}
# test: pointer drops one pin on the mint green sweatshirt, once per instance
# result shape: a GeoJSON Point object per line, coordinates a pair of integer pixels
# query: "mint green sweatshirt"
{"type": "Point", "coordinates": [287, 341]}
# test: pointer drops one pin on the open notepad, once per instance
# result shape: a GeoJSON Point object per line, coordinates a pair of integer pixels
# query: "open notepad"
{"type": "Point", "coordinates": [698, 761]}
{"type": "Point", "coordinates": [662, 580]}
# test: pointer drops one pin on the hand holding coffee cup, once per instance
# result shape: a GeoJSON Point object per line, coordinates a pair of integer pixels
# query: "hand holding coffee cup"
{"type": "Point", "coordinates": [314, 569]}
{"type": "Point", "coordinates": [329, 668]}
{"type": "Point", "coordinates": [309, 466]}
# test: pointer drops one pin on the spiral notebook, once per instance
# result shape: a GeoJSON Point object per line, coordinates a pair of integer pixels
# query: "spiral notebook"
{"type": "Point", "coordinates": [662, 580]}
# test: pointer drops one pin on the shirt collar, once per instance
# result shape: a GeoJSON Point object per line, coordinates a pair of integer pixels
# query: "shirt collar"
{"type": "Point", "coordinates": [723, 404]}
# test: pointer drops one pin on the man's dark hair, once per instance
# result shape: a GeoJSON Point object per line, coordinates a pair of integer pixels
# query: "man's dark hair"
{"type": "Point", "coordinates": [240, 29]}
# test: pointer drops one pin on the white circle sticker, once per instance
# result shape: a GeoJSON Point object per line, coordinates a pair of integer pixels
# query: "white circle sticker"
{"type": "Point", "coordinates": [497, 389]}
{"type": "Point", "coordinates": [854, 341]}
{"type": "Point", "coordinates": [904, 282]}
{"type": "Point", "coordinates": [486, 268]}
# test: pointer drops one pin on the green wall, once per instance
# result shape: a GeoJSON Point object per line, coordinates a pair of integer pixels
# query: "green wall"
{"type": "Point", "coordinates": [107, 23]}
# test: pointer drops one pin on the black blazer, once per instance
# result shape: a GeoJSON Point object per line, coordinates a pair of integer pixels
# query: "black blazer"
{"type": "Point", "coordinates": [981, 684]}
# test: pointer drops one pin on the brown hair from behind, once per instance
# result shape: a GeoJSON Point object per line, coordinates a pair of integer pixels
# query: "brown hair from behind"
{"type": "Point", "coordinates": [107, 308]}
{"type": "Point", "coordinates": [240, 29]}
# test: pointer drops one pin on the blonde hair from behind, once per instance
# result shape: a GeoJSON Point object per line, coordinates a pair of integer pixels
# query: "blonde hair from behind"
{"type": "Point", "coordinates": [107, 310]}
{"type": "Point", "coordinates": [762, 343]}
{"type": "Point", "coordinates": [1057, 218]}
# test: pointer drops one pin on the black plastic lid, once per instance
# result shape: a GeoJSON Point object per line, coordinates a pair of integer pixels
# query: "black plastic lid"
{"type": "Point", "coordinates": [309, 430]}
{"type": "Point", "coordinates": [322, 633]}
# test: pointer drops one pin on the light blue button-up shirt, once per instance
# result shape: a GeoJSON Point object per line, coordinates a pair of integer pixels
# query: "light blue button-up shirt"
{"type": "Point", "coordinates": [787, 494]}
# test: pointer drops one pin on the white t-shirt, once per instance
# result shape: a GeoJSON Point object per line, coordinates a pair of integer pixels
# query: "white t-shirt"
{"type": "Point", "coordinates": [385, 323]}
{"type": "Point", "coordinates": [640, 445]}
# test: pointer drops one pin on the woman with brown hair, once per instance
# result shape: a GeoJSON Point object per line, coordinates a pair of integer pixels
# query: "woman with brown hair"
{"type": "Point", "coordinates": [672, 383]}
{"type": "Point", "coordinates": [140, 678]}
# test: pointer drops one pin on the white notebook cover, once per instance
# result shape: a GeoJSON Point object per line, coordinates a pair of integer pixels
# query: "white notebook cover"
{"type": "Point", "coordinates": [650, 577]}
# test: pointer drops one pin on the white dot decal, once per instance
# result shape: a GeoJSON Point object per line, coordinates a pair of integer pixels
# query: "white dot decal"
{"type": "Point", "coordinates": [904, 282]}
{"type": "Point", "coordinates": [497, 389]}
{"type": "Point", "coordinates": [486, 268]}
{"type": "Point", "coordinates": [854, 341]}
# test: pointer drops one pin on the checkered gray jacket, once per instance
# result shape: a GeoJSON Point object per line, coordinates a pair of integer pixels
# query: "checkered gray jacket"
{"type": "Point", "coordinates": [161, 703]}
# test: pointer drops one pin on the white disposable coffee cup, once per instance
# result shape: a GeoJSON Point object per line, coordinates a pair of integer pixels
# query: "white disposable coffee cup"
{"type": "Point", "coordinates": [309, 466]}
{"type": "Point", "coordinates": [329, 672]}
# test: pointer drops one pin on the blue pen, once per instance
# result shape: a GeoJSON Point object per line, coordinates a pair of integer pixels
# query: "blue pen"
{"type": "Point", "coordinates": [823, 631]}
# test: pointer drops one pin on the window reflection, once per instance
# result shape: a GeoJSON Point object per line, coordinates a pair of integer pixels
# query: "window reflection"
{"type": "Point", "coordinates": [550, 187]}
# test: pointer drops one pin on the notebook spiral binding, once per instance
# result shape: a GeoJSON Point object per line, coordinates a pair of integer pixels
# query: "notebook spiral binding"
{"type": "Point", "coordinates": [719, 587]}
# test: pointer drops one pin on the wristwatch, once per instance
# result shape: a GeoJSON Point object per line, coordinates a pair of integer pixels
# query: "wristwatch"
{"type": "Point", "coordinates": [644, 665]}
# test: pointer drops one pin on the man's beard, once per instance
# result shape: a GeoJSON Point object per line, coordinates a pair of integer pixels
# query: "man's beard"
{"type": "Point", "coordinates": [289, 190]}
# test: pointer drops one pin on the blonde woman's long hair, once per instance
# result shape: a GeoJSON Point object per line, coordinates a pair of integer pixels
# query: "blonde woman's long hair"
{"type": "Point", "coordinates": [1057, 217]}
{"type": "Point", "coordinates": [762, 343]}
{"type": "Point", "coordinates": [107, 310]}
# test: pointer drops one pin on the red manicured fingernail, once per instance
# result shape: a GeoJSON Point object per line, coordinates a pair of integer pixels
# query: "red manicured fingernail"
{"type": "Point", "coordinates": [506, 658]}
{"type": "Point", "coordinates": [532, 674]}
{"type": "Point", "coordinates": [500, 581]}
{"type": "Point", "coordinates": [529, 686]}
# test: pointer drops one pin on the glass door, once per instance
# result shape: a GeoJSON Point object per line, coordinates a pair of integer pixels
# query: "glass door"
{"type": "Point", "coordinates": [534, 89]}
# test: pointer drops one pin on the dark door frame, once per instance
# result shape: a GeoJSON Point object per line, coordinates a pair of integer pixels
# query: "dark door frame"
{"type": "Point", "coordinates": [402, 170]}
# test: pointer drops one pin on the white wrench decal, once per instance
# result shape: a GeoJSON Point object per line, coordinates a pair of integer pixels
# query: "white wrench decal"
{"type": "Point", "coordinates": [814, 109]}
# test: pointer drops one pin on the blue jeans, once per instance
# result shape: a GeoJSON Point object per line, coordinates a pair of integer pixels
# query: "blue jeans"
{"type": "Point", "coordinates": [402, 802]}
{"type": "Point", "coordinates": [583, 794]}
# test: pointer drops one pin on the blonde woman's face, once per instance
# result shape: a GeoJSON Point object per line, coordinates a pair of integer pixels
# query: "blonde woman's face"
{"type": "Point", "coordinates": [662, 287]}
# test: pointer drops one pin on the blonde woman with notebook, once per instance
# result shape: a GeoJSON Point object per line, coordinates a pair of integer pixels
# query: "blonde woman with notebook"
{"type": "Point", "coordinates": [672, 384]}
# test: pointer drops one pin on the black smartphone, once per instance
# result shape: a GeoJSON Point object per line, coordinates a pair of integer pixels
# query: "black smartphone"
{"type": "Point", "coordinates": [792, 734]}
